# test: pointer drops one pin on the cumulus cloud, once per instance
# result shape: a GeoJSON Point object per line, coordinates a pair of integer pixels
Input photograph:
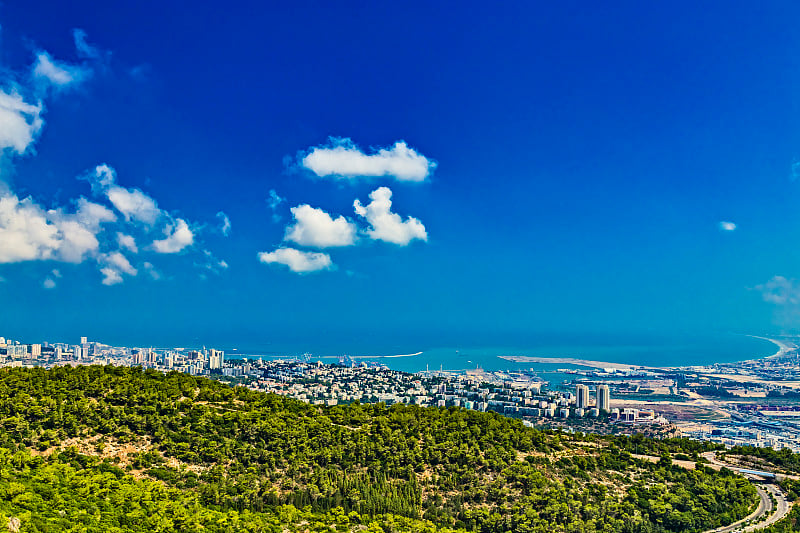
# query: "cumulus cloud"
{"type": "Point", "coordinates": [133, 204]}
{"type": "Point", "coordinates": [89, 230]}
{"type": "Point", "coordinates": [224, 223]}
{"type": "Point", "coordinates": [92, 215]}
{"type": "Point", "coordinates": [77, 241]}
{"type": "Point", "coordinates": [127, 242]}
{"type": "Point", "coordinates": [727, 226]}
{"type": "Point", "coordinates": [49, 283]}
{"type": "Point", "coordinates": [341, 157]}
{"type": "Point", "coordinates": [57, 73]}
{"type": "Point", "coordinates": [296, 260]}
{"type": "Point", "coordinates": [110, 276]}
{"type": "Point", "coordinates": [316, 228]}
{"type": "Point", "coordinates": [28, 233]}
{"type": "Point", "coordinates": [116, 265]}
{"type": "Point", "coordinates": [25, 232]}
{"type": "Point", "coordinates": [20, 122]}
{"type": "Point", "coordinates": [178, 237]}
{"type": "Point", "coordinates": [385, 225]}
{"type": "Point", "coordinates": [119, 262]}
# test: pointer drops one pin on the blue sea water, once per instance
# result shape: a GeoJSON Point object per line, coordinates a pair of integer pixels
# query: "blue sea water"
{"type": "Point", "coordinates": [663, 351]}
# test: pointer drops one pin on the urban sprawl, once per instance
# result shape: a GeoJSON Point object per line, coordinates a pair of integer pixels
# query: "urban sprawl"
{"type": "Point", "coordinates": [752, 403]}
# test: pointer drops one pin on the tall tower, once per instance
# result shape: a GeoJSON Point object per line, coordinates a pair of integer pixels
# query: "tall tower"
{"type": "Point", "coordinates": [216, 359]}
{"type": "Point", "coordinates": [603, 398]}
{"type": "Point", "coordinates": [582, 396]}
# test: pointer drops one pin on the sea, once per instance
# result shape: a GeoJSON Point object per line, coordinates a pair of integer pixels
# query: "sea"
{"type": "Point", "coordinates": [655, 351]}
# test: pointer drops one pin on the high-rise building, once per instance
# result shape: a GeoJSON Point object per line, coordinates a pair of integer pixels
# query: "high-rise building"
{"type": "Point", "coordinates": [215, 359]}
{"type": "Point", "coordinates": [84, 340]}
{"type": "Point", "coordinates": [35, 350]}
{"type": "Point", "coordinates": [603, 398]}
{"type": "Point", "coordinates": [581, 396]}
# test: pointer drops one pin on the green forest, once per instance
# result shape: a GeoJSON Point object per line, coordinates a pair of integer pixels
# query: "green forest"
{"type": "Point", "coordinates": [121, 449]}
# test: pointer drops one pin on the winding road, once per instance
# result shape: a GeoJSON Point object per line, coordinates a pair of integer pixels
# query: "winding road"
{"type": "Point", "coordinates": [765, 506]}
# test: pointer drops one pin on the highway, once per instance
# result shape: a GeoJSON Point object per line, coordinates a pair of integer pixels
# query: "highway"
{"type": "Point", "coordinates": [783, 508]}
{"type": "Point", "coordinates": [764, 505]}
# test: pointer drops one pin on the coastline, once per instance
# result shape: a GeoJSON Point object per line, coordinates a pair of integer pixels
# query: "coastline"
{"type": "Point", "coordinates": [385, 356]}
{"type": "Point", "coordinates": [451, 360]}
{"type": "Point", "coordinates": [783, 348]}
{"type": "Point", "coordinates": [575, 361]}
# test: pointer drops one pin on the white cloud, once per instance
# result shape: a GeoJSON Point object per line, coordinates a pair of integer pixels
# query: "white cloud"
{"type": "Point", "coordinates": [297, 261]}
{"type": "Point", "coordinates": [116, 264]}
{"type": "Point", "coordinates": [57, 73]}
{"type": "Point", "coordinates": [76, 241]}
{"type": "Point", "coordinates": [110, 276]}
{"type": "Point", "coordinates": [119, 262]}
{"type": "Point", "coordinates": [388, 226]}
{"type": "Point", "coordinates": [134, 205]}
{"type": "Point", "coordinates": [316, 228]}
{"type": "Point", "coordinates": [89, 230]}
{"type": "Point", "coordinates": [178, 237]}
{"type": "Point", "coordinates": [78, 231]}
{"type": "Point", "coordinates": [779, 290]}
{"type": "Point", "coordinates": [28, 233]}
{"type": "Point", "coordinates": [727, 226]}
{"type": "Point", "coordinates": [20, 122]}
{"type": "Point", "coordinates": [224, 223]}
{"type": "Point", "coordinates": [341, 157]}
{"type": "Point", "coordinates": [151, 271]}
{"type": "Point", "coordinates": [127, 242]}
{"type": "Point", "coordinates": [101, 179]}
{"type": "Point", "coordinates": [49, 283]}
{"type": "Point", "coordinates": [25, 232]}
{"type": "Point", "coordinates": [91, 215]}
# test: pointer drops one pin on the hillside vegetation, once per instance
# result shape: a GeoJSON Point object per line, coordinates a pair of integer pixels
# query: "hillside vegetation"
{"type": "Point", "coordinates": [121, 449]}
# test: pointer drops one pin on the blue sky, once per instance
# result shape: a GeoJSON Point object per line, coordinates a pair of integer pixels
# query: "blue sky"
{"type": "Point", "coordinates": [552, 171]}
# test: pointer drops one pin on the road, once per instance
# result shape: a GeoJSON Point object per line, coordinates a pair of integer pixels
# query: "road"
{"type": "Point", "coordinates": [783, 508]}
{"type": "Point", "coordinates": [764, 505]}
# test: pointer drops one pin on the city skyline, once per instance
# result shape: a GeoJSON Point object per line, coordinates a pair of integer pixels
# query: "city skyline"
{"type": "Point", "coordinates": [292, 175]}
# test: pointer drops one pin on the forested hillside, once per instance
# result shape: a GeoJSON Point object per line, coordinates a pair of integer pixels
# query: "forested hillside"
{"type": "Point", "coordinates": [120, 449]}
